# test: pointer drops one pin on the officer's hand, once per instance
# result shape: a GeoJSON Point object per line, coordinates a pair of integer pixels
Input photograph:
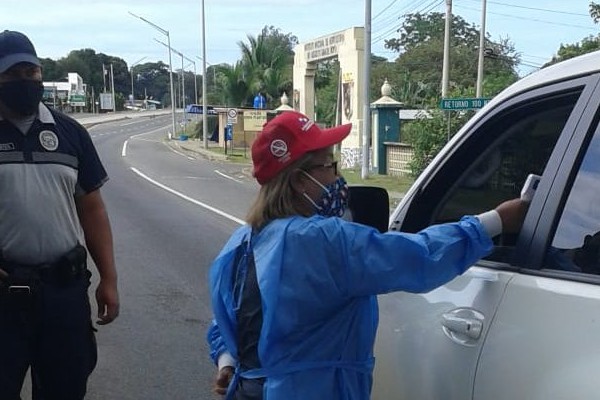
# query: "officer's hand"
{"type": "Point", "coordinates": [107, 298]}
{"type": "Point", "coordinates": [3, 274]}
{"type": "Point", "coordinates": [222, 381]}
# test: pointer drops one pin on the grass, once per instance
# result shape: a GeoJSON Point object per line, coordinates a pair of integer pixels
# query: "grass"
{"type": "Point", "coordinates": [393, 184]}
{"type": "Point", "coordinates": [234, 155]}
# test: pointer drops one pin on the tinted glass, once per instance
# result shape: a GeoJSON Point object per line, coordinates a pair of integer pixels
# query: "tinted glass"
{"type": "Point", "coordinates": [524, 141]}
{"type": "Point", "coordinates": [576, 243]}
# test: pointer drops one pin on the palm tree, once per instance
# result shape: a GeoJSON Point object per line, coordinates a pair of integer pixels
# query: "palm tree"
{"type": "Point", "coordinates": [233, 85]}
{"type": "Point", "coordinates": [268, 62]}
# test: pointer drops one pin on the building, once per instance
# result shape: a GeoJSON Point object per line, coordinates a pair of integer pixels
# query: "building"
{"type": "Point", "coordinates": [67, 96]}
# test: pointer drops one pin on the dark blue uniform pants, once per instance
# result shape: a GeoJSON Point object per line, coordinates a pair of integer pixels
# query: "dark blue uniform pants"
{"type": "Point", "coordinates": [51, 331]}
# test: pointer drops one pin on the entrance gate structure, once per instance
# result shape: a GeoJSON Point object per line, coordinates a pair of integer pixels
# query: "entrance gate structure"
{"type": "Point", "coordinates": [348, 47]}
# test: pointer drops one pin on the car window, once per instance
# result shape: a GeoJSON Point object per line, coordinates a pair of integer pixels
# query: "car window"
{"type": "Point", "coordinates": [500, 171]}
{"type": "Point", "coordinates": [576, 243]}
{"type": "Point", "coordinates": [493, 163]}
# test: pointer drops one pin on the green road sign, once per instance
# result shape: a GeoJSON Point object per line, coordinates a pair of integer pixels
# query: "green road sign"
{"type": "Point", "coordinates": [77, 99]}
{"type": "Point", "coordinates": [463, 103]}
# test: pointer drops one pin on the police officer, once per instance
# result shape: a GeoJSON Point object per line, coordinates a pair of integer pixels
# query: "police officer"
{"type": "Point", "coordinates": [50, 175]}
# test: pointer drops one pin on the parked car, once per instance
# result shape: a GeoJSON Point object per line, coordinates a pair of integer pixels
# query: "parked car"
{"type": "Point", "coordinates": [523, 323]}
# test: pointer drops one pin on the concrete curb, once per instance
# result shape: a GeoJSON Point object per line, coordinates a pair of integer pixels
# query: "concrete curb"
{"type": "Point", "coordinates": [194, 147]}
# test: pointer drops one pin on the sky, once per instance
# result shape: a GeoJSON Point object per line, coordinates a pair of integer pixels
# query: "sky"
{"type": "Point", "coordinates": [536, 27]}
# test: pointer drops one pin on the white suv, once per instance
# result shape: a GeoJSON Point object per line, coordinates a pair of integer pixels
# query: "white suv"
{"type": "Point", "coordinates": [524, 323]}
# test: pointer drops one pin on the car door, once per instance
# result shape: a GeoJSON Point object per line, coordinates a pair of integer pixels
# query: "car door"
{"type": "Point", "coordinates": [543, 343]}
{"type": "Point", "coordinates": [428, 345]}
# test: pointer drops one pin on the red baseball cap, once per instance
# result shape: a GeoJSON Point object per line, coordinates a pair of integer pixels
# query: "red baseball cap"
{"type": "Point", "coordinates": [286, 138]}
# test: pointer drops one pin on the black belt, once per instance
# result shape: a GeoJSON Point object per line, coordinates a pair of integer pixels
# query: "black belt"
{"type": "Point", "coordinates": [25, 278]}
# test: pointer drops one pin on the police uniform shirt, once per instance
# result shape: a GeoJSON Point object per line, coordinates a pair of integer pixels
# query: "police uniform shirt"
{"type": "Point", "coordinates": [42, 170]}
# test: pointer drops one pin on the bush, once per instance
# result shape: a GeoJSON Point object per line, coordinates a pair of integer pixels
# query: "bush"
{"type": "Point", "coordinates": [428, 135]}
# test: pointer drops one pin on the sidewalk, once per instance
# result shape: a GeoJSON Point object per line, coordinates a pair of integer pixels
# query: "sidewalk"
{"type": "Point", "coordinates": [196, 146]}
{"type": "Point", "coordinates": [89, 120]}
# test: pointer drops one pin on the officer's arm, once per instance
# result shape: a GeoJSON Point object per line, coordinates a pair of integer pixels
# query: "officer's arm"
{"type": "Point", "coordinates": [98, 239]}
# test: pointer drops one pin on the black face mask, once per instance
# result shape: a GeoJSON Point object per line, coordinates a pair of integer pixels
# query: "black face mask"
{"type": "Point", "coordinates": [22, 96]}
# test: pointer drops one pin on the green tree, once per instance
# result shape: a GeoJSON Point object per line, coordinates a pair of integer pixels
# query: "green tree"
{"type": "Point", "coordinates": [421, 47]}
{"type": "Point", "coordinates": [234, 86]}
{"type": "Point", "coordinates": [595, 11]}
{"type": "Point", "coordinates": [430, 133]}
{"type": "Point", "coordinates": [567, 51]}
{"type": "Point", "coordinates": [268, 61]}
{"type": "Point", "coordinates": [152, 80]}
{"type": "Point", "coordinates": [587, 44]}
{"type": "Point", "coordinates": [327, 79]}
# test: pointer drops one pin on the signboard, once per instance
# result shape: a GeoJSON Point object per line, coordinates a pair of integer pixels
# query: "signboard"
{"type": "Point", "coordinates": [197, 109]}
{"type": "Point", "coordinates": [106, 101]}
{"type": "Point", "coordinates": [231, 116]}
{"type": "Point", "coordinates": [77, 100]}
{"type": "Point", "coordinates": [254, 120]}
{"type": "Point", "coordinates": [463, 103]}
{"type": "Point", "coordinates": [324, 47]}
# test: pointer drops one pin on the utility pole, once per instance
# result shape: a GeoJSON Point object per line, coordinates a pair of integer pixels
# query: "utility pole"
{"type": "Point", "coordinates": [204, 119]}
{"type": "Point", "coordinates": [481, 51]}
{"type": "Point", "coordinates": [104, 77]}
{"type": "Point", "coordinates": [112, 87]}
{"type": "Point", "coordinates": [366, 144]}
{"type": "Point", "coordinates": [446, 62]}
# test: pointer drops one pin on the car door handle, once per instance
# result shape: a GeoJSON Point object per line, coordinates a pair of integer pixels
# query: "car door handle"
{"type": "Point", "coordinates": [470, 327]}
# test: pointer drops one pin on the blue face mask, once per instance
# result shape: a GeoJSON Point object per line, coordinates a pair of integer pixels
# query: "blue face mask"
{"type": "Point", "coordinates": [334, 197]}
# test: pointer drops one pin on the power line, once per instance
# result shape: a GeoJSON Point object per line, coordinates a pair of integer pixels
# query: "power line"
{"type": "Point", "coordinates": [394, 23]}
{"type": "Point", "coordinates": [536, 9]}
{"type": "Point", "coordinates": [528, 19]}
{"type": "Point", "coordinates": [431, 6]}
{"type": "Point", "coordinates": [394, 16]}
{"type": "Point", "coordinates": [384, 10]}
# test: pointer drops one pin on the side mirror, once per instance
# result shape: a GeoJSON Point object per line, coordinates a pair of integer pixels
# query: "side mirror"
{"type": "Point", "coordinates": [370, 206]}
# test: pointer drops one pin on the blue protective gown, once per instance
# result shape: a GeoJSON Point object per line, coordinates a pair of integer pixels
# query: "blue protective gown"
{"type": "Point", "coordinates": [318, 279]}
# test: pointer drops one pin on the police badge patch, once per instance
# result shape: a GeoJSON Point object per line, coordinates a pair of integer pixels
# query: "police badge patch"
{"type": "Point", "coordinates": [49, 140]}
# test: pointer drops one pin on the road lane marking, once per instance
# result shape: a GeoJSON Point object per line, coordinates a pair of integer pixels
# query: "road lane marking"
{"type": "Point", "coordinates": [187, 198]}
{"type": "Point", "coordinates": [130, 123]}
{"type": "Point", "coordinates": [228, 177]}
{"type": "Point", "coordinates": [124, 150]}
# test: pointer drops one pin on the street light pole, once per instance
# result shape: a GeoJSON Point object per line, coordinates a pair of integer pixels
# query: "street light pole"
{"type": "Point", "coordinates": [132, 92]}
{"type": "Point", "coordinates": [481, 51]}
{"type": "Point", "coordinates": [204, 119]}
{"type": "Point", "coordinates": [182, 94]}
{"type": "Point", "coordinates": [166, 33]}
